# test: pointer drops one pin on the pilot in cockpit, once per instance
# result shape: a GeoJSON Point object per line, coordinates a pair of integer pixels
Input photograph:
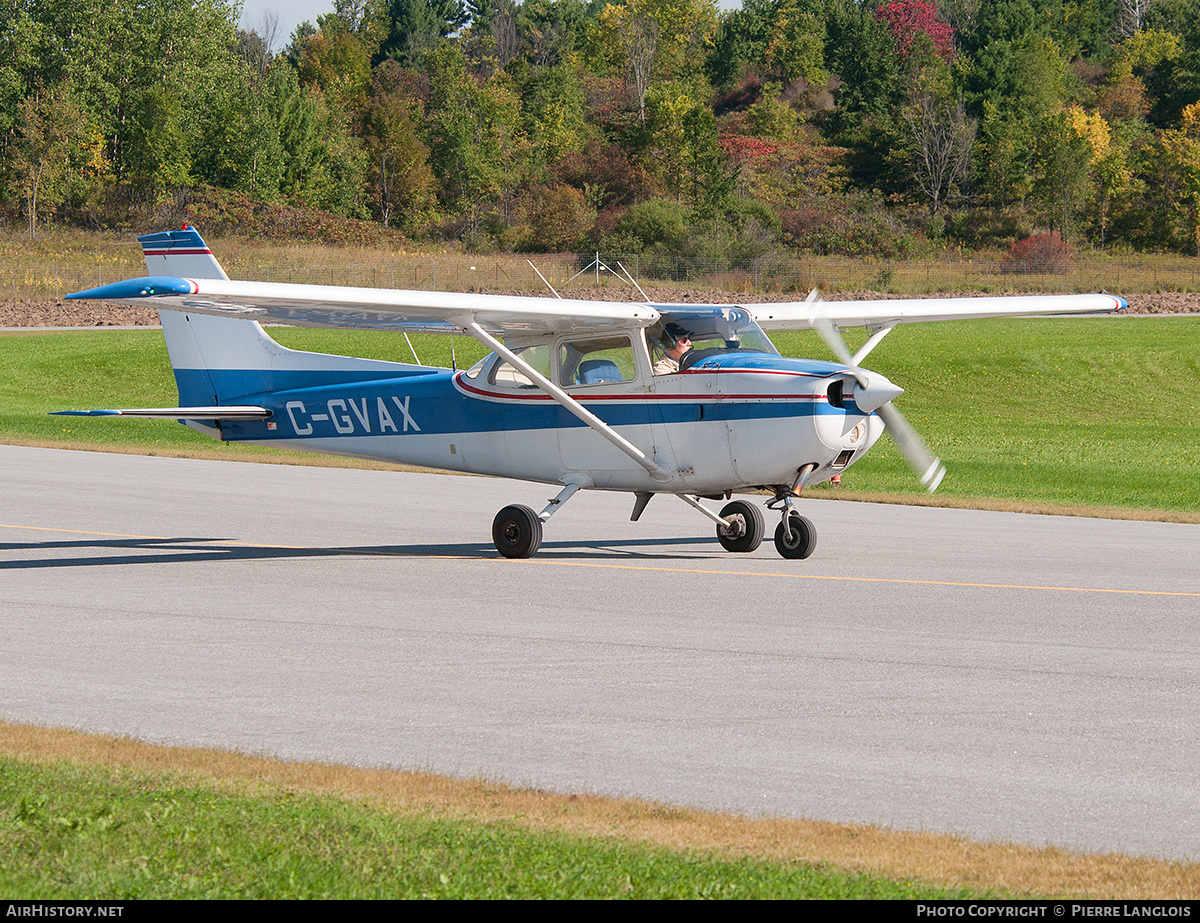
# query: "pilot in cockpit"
{"type": "Point", "coordinates": [678, 343]}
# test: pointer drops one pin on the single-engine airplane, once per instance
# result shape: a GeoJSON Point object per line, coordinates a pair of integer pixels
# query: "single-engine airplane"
{"type": "Point", "coordinates": [574, 393]}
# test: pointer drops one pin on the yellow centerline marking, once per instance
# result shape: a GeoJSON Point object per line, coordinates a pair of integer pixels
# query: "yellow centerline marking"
{"type": "Point", "coordinates": [656, 568]}
{"type": "Point", "coordinates": [157, 538]}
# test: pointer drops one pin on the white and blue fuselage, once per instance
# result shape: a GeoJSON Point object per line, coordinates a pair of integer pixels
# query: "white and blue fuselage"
{"type": "Point", "coordinates": [731, 421]}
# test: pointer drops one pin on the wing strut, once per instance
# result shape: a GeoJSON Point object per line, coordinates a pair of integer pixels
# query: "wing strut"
{"type": "Point", "coordinates": [864, 351]}
{"type": "Point", "coordinates": [657, 471]}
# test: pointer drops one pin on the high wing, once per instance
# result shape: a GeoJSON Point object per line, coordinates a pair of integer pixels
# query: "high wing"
{"type": "Point", "coordinates": [373, 308]}
{"type": "Point", "coordinates": [506, 315]}
{"type": "Point", "coordinates": [886, 313]}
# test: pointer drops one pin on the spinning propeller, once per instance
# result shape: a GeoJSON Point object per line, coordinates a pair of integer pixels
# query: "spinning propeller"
{"type": "Point", "coordinates": [875, 393]}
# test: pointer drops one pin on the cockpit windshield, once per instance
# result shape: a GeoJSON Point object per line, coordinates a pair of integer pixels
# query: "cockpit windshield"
{"type": "Point", "coordinates": [713, 331]}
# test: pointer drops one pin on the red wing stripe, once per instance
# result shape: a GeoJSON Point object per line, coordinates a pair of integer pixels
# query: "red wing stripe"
{"type": "Point", "coordinates": [681, 398]}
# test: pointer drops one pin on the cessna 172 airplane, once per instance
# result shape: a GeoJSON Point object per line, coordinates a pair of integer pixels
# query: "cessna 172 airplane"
{"type": "Point", "coordinates": [579, 394]}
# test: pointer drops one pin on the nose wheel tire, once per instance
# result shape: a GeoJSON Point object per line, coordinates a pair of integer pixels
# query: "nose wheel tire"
{"type": "Point", "coordinates": [517, 532]}
{"type": "Point", "coordinates": [802, 541]}
{"type": "Point", "coordinates": [746, 529]}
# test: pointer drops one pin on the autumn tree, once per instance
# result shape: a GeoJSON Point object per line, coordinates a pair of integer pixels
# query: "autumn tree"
{"type": "Point", "coordinates": [908, 19]}
{"type": "Point", "coordinates": [796, 47]}
{"type": "Point", "coordinates": [561, 217]}
{"type": "Point", "coordinates": [942, 139]}
{"type": "Point", "coordinates": [399, 176]}
{"type": "Point", "coordinates": [637, 33]}
{"type": "Point", "coordinates": [1177, 152]}
{"type": "Point", "coordinates": [668, 38]}
{"type": "Point", "coordinates": [552, 102]}
{"type": "Point", "coordinates": [49, 130]}
{"type": "Point", "coordinates": [1110, 177]}
{"type": "Point", "coordinates": [337, 61]}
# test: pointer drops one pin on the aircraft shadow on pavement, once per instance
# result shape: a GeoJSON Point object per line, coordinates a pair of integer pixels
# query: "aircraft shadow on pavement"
{"type": "Point", "coordinates": [182, 550]}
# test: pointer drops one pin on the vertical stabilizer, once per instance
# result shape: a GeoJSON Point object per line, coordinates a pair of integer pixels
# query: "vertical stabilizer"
{"type": "Point", "coordinates": [182, 254]}
{"type": "Point", "coordinates": [195, 342]}
{"type": "Point", "coordinates": [221, 360]}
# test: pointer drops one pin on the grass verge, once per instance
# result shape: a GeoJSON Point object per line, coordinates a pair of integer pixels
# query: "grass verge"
{"type": "Point", "coordinates": [103, 817]}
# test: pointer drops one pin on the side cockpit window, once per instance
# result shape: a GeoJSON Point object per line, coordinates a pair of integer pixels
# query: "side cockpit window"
{"type": "Point", "coordinates": [596, 361]}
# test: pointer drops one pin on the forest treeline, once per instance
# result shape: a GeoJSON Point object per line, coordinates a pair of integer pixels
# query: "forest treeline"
{"type": "Point", "coordinates": [827, 126]}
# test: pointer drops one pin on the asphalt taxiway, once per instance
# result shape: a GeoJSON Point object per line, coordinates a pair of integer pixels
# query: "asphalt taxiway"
{"type": "Point", "coordinates": [1003, 676]}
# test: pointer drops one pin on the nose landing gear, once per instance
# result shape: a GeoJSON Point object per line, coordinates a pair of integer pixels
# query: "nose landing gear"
{"type": "Point", "coordinates": [795, 536]}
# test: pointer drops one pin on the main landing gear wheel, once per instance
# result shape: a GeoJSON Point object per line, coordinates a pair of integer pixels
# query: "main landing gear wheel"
{"type": "Point", "coordinates": [517, 532]}
{"type": "Point", "coordinates": [746, 527]}
{"type": "Point", "coordinates": [803, 538]}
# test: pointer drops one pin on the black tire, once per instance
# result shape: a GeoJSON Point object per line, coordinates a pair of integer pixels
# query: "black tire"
{"type": "Point", "coordinates": [517, 532]}
{"type": "Point", "coordinates": [749, 530]}
{"type": "Point", "coordinates": [804, 538]}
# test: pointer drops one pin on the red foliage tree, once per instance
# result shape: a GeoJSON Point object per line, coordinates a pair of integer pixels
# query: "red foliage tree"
{"type": "Point", "coordinates": [1042, 253]}
{"type": "Point", "coordinates": [745, 148]}
{"type": "Point", "coordinates": [909, 18]}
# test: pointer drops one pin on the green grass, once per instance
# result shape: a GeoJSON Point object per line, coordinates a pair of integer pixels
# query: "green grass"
{"type": "Point", "coordinates": [1094, 412]}
{"type": "Point", "coordinates": [75, 832]}
{"type": "Point", "coordinates": [1080, 412]}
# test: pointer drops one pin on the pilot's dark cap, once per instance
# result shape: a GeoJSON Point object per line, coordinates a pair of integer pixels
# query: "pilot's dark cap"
{"type": "Point", "coordinates": [677, 330]}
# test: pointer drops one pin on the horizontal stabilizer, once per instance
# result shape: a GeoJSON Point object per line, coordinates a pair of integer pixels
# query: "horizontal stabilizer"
{"type": "Point", "coordinates": [231, 412]}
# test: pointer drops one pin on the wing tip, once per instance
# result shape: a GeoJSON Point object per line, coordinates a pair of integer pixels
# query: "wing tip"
{"type": "Point", "coordinates": [143, 287]}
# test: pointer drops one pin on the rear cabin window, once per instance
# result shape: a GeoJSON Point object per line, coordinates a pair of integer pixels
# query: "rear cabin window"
{"type": "Point", "coordinates": [507, 375]}
{"type": "Point", "coordinates": [597, 361]}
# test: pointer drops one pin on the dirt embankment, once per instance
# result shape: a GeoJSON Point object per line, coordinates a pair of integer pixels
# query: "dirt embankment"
{"type": "Point", "coordinates": [98, 314]}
